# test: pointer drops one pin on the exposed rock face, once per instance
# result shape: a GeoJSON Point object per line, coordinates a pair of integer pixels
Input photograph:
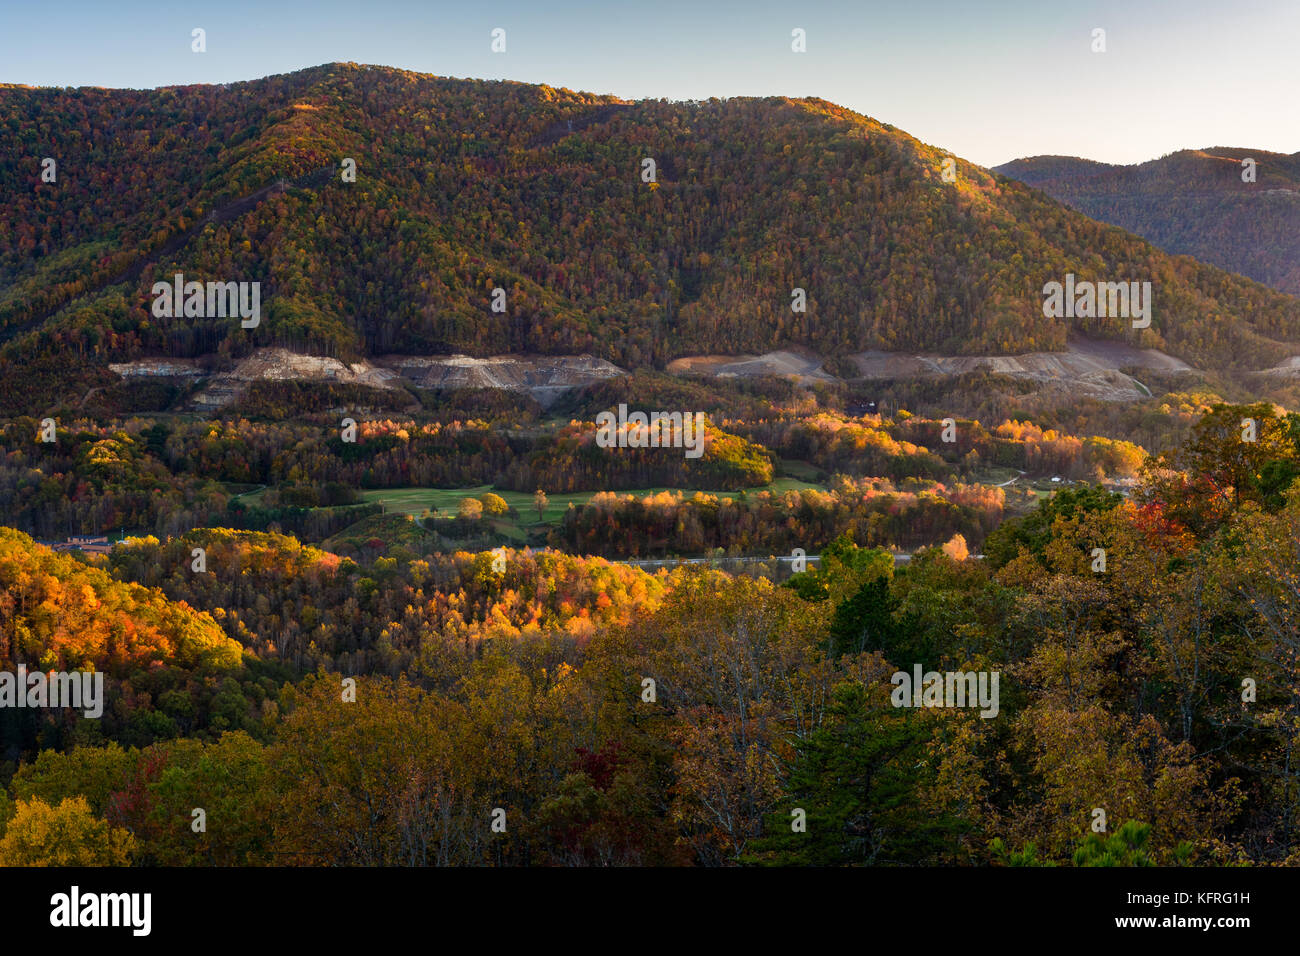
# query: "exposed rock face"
{"type": "Point", "coordinates": [278, 365]}
{"type": "Point", "coordinates": [1086, 367]}
{"type": "Point", "coordinates": [803, 365]}
{"type": "Point", "coordinates": [158, 368]}
{"type": "Point", "coordinates": [546, 378]}
{"type": "Point", "coordinates": [1288, 369]}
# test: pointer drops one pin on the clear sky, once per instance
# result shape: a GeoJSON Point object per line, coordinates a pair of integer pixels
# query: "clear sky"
{"type": "Point", "coordinates": [990, 81]}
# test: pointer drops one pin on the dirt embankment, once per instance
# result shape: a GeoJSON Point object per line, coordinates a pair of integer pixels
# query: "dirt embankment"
{"type": "Point", "coordinates": [1086, 367]}
{"type": "Point", "coordinates": [545, 378]}
{"type": "Point", "coordinates": [801, 364]}
{"type": "Point", "coordinates": [1288, 369]}
{"type": "Point", "coordinates": [1089, 367]}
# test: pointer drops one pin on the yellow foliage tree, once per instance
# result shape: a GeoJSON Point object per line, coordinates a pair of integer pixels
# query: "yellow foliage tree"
{"type": "Point", "coordinates": [66, 835]}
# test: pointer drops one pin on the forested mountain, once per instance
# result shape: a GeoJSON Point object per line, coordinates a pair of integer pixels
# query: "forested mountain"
{"type": "Point", "coordinates": [349, 676]}
{"type": "Point", "coordinates": [464, 187]}
{"type": "Point", "coordinates": [1193, 202]}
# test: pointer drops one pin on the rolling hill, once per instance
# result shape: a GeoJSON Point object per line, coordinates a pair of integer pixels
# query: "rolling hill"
{"type": "Point", "coordinates": [1192, 202]}
{"type": "Point", "coordinates": [466, 187]}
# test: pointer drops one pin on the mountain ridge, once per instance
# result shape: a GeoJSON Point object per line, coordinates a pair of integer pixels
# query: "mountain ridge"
{"type": "Point", "coordinates": [468, 186]}
{"type": "Point", "coordinates": [1193, 202]}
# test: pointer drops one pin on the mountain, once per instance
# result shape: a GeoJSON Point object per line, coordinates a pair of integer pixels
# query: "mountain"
{"type": "Point", "coordinates": [466, 187]}
{"type": "Point", "coordinates": [1192, 202]}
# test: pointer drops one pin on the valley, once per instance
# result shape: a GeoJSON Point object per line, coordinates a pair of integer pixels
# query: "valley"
{"type": "Point", "coordinates": [386, 566]}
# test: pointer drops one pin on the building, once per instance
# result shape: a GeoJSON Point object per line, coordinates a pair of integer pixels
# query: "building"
{"type": "Point", "coordinates": [91, 544]}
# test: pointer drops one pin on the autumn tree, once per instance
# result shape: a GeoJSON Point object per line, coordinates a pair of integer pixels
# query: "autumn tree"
{"type": "Point", "coordinates": [392, 778]}
{"type": "Point", "coordinates": [1235, 453]}
{"type": "Point", "coordinates": [64, 835]}
{"type": "Point", "coordinates": [737, 662]}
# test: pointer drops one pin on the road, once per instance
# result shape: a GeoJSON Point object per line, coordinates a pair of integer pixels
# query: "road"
{"type": "Point", "coordinates": [899, 558]}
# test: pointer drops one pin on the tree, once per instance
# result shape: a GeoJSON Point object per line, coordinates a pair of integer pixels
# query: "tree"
{"type": "Point", "coordinates": [394, 778]}
{"type": "Point", "coordinates": [540, 502]}
{"type": "Point", "coordinates": [1026, 856]}
{"type": "Point", "coordinates": [494, 504]}
{"type": "Point", "coordinates": [470, 508]}
{"type": "Point", "coordinates": [603, 814]}
{"type": "Point", "coordinates": [1236, 453]}
{"type": "Point", "coordinates": [865, 622]}
{"type": "Point", "coordinates": [1125, 847]}
{"type": "Point", "coordinates": [1220, 451]}
{"type": "Point", "coordinates": [734, 659]}
{"type": "Point", "coordinates": [1034, 530]}
{"type": "Point", "coordinates": [1256, 563]}
{"type": "Point", "coordinates": [956, 548]}
{"type": "Point", "coordinates": [858, 778]}
{"type": "Point", "coordinates": [230, 781]}
{"type": "Point", "coordinates": [93, 773]}
{"type": "Point", "coordinates": [844, 568]}
{"type": "Point", "coordinates": [66, 835]}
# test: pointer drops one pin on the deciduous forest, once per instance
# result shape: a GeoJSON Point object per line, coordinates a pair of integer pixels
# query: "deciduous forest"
{"type": "Point", "coordinates": [1162, 688]}
{"type": "Point", "coordinates": [363, 616]}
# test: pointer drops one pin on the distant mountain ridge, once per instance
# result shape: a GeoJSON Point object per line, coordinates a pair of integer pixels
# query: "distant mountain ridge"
{"type": "Point", "coordinates": [1193, 202]}
{"type": "Point", "coordinates": [467, 187]}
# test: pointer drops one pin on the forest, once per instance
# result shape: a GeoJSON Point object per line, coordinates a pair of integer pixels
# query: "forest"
{"type": "Point", "coordinates": [372, 619]}
{"type": "Point", "coordinates": [394, 710]}
{"type": "Point", "coordinates": [1233, 208]}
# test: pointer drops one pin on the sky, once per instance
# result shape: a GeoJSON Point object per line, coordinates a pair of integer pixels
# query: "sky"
{"type": "Point", "coordinates": [989, 81]}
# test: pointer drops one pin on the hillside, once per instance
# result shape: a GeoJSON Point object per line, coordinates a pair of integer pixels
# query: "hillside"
{"type": "Point", "coordinates": [66, 615]}
{"type": "Point", "coordinates": [1192, 202]}
{"type": "Point", "coordinates": [464, 187]}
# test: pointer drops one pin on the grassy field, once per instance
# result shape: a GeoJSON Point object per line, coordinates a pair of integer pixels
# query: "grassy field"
{"type": "Point", "coordinates": [414, 501]}
{"type": "Point", "coordinates": [995, 475]}
{"type": "Point", "coordinates": [800, 469]}
{"type": "Point", "coordinates": [524, 521]}
{"type": "Point", "coordinates": [446, 500]}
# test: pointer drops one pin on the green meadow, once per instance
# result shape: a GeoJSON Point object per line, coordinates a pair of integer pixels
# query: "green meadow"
{"type": "Point", "coordinates": [414, 501]}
